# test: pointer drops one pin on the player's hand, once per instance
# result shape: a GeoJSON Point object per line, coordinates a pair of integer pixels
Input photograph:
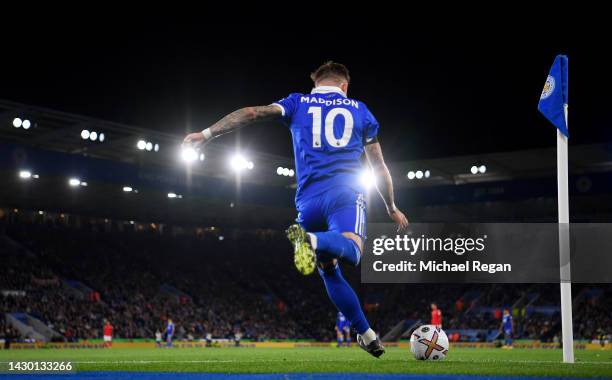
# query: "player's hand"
{"type": "Point", "coordinates": [398, 218]}
{"type": "Point", "coordinates": [194, 139]}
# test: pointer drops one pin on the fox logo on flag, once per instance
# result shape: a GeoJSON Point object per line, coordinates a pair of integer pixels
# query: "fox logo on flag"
{"type": "Point", "coordinates": [554, 95]}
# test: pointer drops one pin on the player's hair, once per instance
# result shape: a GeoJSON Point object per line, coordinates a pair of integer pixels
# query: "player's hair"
{"type": "Point", "coordinates": [330, 69]}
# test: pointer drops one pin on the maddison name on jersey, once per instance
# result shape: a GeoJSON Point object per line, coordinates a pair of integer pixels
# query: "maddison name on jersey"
{"type": "Point", "coordinates": [329, 102]}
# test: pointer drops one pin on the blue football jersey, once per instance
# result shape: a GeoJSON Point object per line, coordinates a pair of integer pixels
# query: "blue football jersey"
{"type": "Point", "coordinates": [507, 322]}
{"type": "Point", "coordinates": [341, 321]}
{"type": "Point", "coordinates": [329, 132]}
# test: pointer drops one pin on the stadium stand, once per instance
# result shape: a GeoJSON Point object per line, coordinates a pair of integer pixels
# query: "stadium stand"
{"type": "Point", "coordinates": [72, 278]}
{"type": "Point", "coordinates": [216, 261]}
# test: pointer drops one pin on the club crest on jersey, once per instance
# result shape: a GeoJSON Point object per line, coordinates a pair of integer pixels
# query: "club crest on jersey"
{"type": "Point", "coordinates": [549, 87]}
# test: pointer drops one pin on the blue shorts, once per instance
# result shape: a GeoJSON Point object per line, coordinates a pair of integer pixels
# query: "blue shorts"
{"type": "Point", "coordinates": [341, 209]}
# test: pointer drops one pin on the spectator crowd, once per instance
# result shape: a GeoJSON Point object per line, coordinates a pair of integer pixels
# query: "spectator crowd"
{"type": "Point", "coordinates": [75, 278]}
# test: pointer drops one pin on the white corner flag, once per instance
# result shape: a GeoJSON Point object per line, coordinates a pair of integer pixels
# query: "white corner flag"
{"type": "Point", "coordinates": [553, 105]}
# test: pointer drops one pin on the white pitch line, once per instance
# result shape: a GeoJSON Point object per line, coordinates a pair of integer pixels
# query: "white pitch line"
{"type": "Point", "coordinates": [101, 362]}
{"type": "Point", "coordinates": [151, 361]}
{"type": "Point", "coordinates": [202, 361]}
{"type": "Point", "coordinates": [526, 361]}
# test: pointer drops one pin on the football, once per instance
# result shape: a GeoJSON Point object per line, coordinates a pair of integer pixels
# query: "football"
{"type": "Point", "coordinates": [429, 342]}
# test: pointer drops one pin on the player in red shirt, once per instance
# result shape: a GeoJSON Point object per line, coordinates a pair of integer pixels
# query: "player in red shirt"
{"type": "Point", "coordinates": [108, 334]}
{"type": "Point", "coordinates": [436, 316]}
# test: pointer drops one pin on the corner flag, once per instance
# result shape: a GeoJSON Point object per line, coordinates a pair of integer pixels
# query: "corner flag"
{"type": "Point", "coordinates": [554, 95]}
{"type": "Point", "coordinates": [553, 105]}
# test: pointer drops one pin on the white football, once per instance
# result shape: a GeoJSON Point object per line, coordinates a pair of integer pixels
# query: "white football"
{"type": "Point", "coordinates": [429, 342]}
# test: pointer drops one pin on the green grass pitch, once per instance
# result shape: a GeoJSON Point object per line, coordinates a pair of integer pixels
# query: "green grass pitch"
{"type": "Point", "coordinates": [471, 361]}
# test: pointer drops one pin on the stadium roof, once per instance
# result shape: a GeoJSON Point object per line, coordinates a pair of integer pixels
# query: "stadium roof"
{"type": "Point", "coordinates": [61, 131]}
{"type": "Point", "coordinates": [502, 166]}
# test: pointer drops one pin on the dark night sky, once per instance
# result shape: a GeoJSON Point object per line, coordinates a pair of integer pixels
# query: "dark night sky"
{"type": "Point", "coordinates": [436, 92]}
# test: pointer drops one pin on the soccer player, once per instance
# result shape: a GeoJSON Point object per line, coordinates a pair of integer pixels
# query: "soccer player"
{"type": "Point", "coordinates": [169, 333]}
{"type": "Point", "coordinates": [237, 338]}
{"type": "Point", "coordinates": [436, 316]}
{"type": "Point", "coordinates": [343, 330]}
{"type": "Point", "coordinates": [158, 338]}
{"type": "Point", "coordinates": [108, 333]}
{"type": "Point", "coordinates": [330, 133]}
{"type": "Point", "coordinates": [507, 326]}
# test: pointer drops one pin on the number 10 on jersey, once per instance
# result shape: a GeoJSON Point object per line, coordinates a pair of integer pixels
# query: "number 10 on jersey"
{"type": "Point", "coordinates": [329, 127]}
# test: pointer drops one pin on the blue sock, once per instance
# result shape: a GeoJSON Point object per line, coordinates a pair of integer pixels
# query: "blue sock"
{"type": "Point", "coordinates": [345, 299]}
{"type": "Point", "coordinates": [336, 246]}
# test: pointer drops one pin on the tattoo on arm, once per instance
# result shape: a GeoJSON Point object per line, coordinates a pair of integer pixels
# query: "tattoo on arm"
{"type": "Point", "coordinates": [245, 116]}
{"type": "Point", "coordinates": [377, 163]}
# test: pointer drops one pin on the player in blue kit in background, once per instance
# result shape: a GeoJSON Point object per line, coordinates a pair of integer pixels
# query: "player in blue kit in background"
{"type": "Point", "coordinates": [330, 133]}
{"type": "Point", "coordinates": [507, 326]}
{"type": "Point", "coordinates": [343, 330]}
{"type": "Point", "coordinates": [169, 333]}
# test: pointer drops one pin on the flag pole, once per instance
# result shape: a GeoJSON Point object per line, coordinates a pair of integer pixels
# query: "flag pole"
{"type": "Point", "coordinates": [564, 246]}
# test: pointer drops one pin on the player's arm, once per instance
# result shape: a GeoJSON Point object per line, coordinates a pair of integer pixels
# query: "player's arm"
{"type": "Point", "coordinates": [376, 161]}
{"type": "Point", "coordinates": [233, 121]}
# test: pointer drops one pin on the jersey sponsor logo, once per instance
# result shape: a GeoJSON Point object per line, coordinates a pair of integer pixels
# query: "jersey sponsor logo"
{"type": "Point", "coordinates": [329, 102]}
